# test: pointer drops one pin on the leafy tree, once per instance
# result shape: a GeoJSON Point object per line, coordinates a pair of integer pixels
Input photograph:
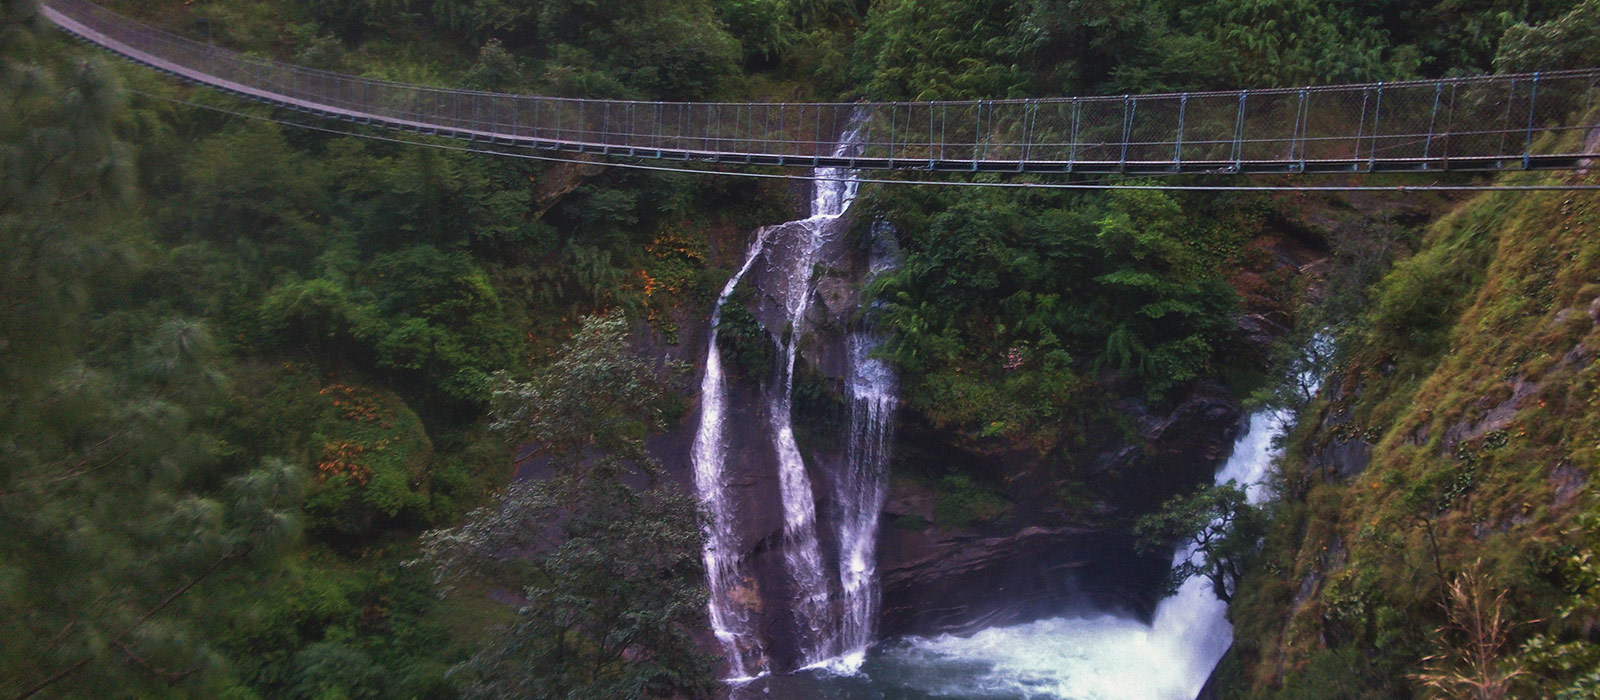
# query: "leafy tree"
{"type": "Point", "coordinates": [1564, 662]}
{"type": "Point", "coordinates": [1220, 528]}
{"type": "Point", "coordinates": [610, 575]}
{"type": "Point", "coordinates": [1570, 41]}
{"type": "Point", "coordinates": [1006, 306]}
{"type": "Point", "coordinates": [946, 49]}
{"type": "Point", "coordinates": [496, 69]}
{"type": "Point", "coordinates": [1263, 43]}
{"type": "Point", "coordinates": [668, 48]}
{"type": "Point", "coordinates": [114, 497]}
{"type": "Point", "coordinates": [63, 175]}
{"type": "Point", "coordinates": [764, 28]}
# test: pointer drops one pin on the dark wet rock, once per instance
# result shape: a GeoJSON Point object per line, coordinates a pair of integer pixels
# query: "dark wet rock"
{"type": "Point", "coordinates": [937, 582]}
{"type": "Point", "coordinates": [1212, 690]}
{"type": "Point", "coordinates": [1187, 442]}
{"type": "Point", "coordinates": [1342, 459]}
{"type": "Point", "coordinates": [1046, 557]}
{"type": "Point", "coordinates": [1259, 329]}
{"type": "Point", "coordinates": [1344, 453]}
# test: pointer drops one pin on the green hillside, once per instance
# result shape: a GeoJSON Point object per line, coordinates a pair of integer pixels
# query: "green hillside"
{"type": "Point", "coordinates": [244, 367]}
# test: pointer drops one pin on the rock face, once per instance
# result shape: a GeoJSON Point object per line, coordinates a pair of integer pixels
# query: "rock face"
{"type": "Point", "coordinates": [959, 582]}
{"type": "Point", "coordinates": [1050, 554]}
{"type": "Point", "coordinates": [1046, 557]}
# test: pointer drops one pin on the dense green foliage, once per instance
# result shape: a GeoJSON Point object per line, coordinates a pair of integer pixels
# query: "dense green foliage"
{"type": "Point", "coordinates": [1007, 309]}
{"type": "Point", "coordinates": [119, 492]}
{"type": "Point", "coordinates": [610, 575]}
{"type": "Point", "coordinates": [244, 366]}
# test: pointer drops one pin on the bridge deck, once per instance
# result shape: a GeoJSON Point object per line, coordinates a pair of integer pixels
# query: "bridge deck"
{"type": "Point", "coordinates": [1480, 123]}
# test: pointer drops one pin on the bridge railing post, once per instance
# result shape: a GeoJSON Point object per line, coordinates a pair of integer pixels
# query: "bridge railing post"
{"type": "Point", "coordinates": [894, 116]}
{"type": "Point", "coordinates": [1377, 121]}
{"type": "Point", "coordinates": [1128, 107]}
{"type": "Point", "coordinates": [1177, 146]}
{"type": "Point", "coordinates": [816, 132]}
{"type": "Point", "coordinates": [1302, 121]}
{"type": "Point", "coordinates": [944, 128]}
{"type": "Point", "coordinates": [1238, 133]}
{"type": "Point", "coordinates": [1030, 119]}
{"type": "Point", "coordinates": [1527, 144]}
{"type": "Point", "coordinates": [1072, 147]}
{"type": "Point", "coordinates": [1433, 121]}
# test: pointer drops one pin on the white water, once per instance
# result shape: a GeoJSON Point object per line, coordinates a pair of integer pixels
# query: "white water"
{"type": "Point", "coordinates": [860, 489]}
{"type": "Point", "coordinates": [833, 190]}
{"type": "Point", "coordinates": [831, 634]}
{"type": "Point", "coordinates": [730, 594]}
{"type": "Point", "coordinates": [1107, 657]}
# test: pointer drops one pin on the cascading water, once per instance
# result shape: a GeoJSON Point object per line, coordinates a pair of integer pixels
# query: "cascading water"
{"type": "Point", "coordinates": [730, 621]}
{"type": "Point", "coordinates": [833, 190]}
{"type": "Point", "coordinates": [1106, 657]}
{"type": "Point", "coordinates": [831, 631]}
{"type": "Point", "coordinates": [860, 488]}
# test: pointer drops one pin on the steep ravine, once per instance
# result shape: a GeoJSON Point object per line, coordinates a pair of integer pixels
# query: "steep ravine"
{"type": "Point", "coordinates": [1045, 556]}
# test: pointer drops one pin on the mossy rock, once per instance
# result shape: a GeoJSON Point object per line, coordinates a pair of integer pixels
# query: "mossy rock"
{"type": "Point", "coordinates": [372, 460]}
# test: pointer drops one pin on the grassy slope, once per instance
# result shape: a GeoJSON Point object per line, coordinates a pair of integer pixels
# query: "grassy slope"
{"type": "Point", "coordinates": [1472, 377]}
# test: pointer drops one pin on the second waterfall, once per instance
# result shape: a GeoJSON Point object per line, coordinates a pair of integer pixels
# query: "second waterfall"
{"type": "Point", "coordinates": [800, 592]}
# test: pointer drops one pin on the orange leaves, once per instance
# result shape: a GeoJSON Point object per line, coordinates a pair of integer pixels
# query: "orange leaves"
{"type": "Point", "coordinates": [341, 457]}
{"type": "Point", "coordinates": [348, 456]}
{"type": "Point", "coordinates": [357, 403]}
{"type": "Point", "coordinates": [651, 284]}
{"type": "Point", "coordinates": [674, 243]}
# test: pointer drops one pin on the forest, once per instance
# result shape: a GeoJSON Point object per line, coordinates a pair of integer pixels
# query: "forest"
{"type": "Point", "coordinates": [293, 413]}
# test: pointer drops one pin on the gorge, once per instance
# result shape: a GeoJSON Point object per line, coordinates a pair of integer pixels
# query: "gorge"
{"type": "Point", "coordinates": [796, 610]}
{"type": "Point", "coordinates": [486, 349]}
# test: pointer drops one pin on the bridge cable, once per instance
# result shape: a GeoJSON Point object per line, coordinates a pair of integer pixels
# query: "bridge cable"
{"type": "Point", "coordinates": [1084, 185]}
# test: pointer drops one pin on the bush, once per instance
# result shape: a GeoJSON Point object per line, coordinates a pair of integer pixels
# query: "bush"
{"type": "Point", "coordinates": [372, 465]}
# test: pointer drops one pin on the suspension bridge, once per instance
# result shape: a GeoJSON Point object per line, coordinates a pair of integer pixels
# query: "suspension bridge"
{"type": "Point", "coordinates": [1491, 122]}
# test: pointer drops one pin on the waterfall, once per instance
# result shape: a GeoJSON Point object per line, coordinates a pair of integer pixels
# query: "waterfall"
{"type": "Point", "coordinates": [861, 486]}
{"type": "Point", "coordinates": [833, 190]}
{"type": "Point", "coordinates": [1100, 656]}
{"type": "Point", "coordinates": [832, 631]}
{"type": "Point", "coordinates": [730, 614]}
{"type": "Point", "coordinates": [1106, 656]}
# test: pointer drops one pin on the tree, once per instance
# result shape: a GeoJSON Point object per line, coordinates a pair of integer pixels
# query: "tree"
{"type": "Point", "coordinates": [610, 574]}
{"type": "Point", "coordinates": [117, 502]}
{"type": "Point", "coordinates": [1219, 527]}
{"type": "Point", "coordinates": [1570, 41]}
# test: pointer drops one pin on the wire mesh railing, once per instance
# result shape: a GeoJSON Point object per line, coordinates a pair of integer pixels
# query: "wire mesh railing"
{"type": "Point", "coordinates": [1483, 123]}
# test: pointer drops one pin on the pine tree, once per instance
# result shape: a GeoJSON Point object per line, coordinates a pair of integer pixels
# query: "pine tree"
{"type": "Point", "coordinates": [112, 500]}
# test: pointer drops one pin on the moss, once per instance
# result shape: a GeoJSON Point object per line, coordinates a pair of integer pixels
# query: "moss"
{"type": "Point", "coordinates": [747, 350]}
{"type": "Point", "coordinates": [371, 463]}
{"type": "Point", "coordinates": [1494, 299]}
{"type": "Point", "coordinates": [964, 502]}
